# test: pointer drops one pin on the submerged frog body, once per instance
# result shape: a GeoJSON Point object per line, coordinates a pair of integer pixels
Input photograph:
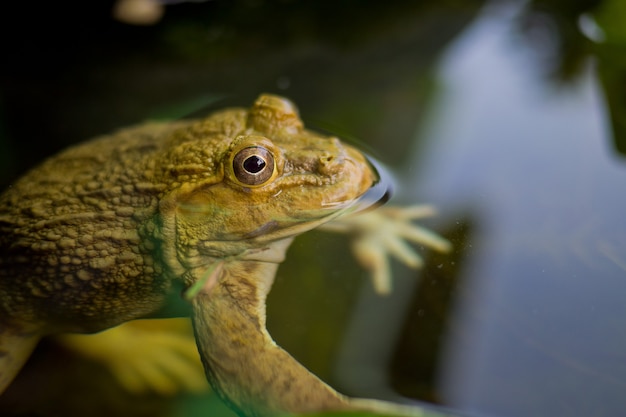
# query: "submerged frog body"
{"type": "Point", "coordinates": [102, 233]}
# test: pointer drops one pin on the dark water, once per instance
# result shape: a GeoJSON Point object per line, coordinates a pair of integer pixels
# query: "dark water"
{"type": "Point", "coordinates": [514, 135]}
{"type": "Point", "coordinates": [537, 323]}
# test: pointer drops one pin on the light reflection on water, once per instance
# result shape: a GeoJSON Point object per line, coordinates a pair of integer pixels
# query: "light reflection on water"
{"type": "Point", "coordinates": [537, 327]}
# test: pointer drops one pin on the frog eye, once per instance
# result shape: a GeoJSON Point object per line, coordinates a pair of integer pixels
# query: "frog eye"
{"type": "Point", "coordinates": [254, 166]}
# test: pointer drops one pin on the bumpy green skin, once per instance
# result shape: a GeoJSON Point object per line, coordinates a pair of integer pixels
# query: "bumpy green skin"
{"type": "Point", "coordinates": [99, 234]}
{"type": "Point", "coordinates": [95, 235]}
{"type": "Point", "coordinates": [79, 236]}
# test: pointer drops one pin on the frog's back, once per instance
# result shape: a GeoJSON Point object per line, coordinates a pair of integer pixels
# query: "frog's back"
{"type": "Point", "coordinates": [74, 238]}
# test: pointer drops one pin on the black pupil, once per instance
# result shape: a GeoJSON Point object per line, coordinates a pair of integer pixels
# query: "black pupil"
{"type": "Point", "coordinates": [254, 164]}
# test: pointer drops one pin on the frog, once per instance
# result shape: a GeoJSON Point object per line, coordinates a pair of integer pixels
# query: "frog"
{"type": "Point", "coordinates": [102, 234]}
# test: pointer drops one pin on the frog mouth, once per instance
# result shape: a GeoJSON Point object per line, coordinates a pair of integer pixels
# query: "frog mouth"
{"type": "Point", "coordinates": [264, 230]}
{"type": "Point", "coordinates": [381, 190]}
{"type": "Point", "coordinates": [376, 195]}
{"type": "Point", "coordinates": [276, 229]}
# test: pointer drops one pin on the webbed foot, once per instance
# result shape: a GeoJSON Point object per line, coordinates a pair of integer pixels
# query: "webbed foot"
{"type": "Point", "coordinates": [156, 355]}
{"type": "Point", "coordinates": [387, 231]}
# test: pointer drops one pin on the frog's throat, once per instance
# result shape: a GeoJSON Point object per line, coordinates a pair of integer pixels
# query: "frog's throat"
{"type": "Point", "coordinates": [244, 365]}
{"type": "Point", "coordinates": [267, 243]}
{"type": "Point", "coordinates": [283, 228]}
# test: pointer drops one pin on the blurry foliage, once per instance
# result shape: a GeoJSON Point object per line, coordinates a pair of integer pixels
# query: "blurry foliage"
{"type": "Point", "coordinates": [611, 54]}
{"type": "Point", "coordinates": [555, 24]}
{"type": "Point", "coordinates": [558, 23]}
{"type": "Point", "coordinates": [427, 413]}
{"type": "Point", "coordinates": [610, 15]}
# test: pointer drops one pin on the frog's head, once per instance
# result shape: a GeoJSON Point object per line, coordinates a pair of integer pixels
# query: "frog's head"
{"type": "Point", "coordinates": [259, 176]}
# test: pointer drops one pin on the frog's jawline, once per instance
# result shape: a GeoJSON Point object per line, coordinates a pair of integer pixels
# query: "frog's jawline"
{"type": "Point", "coordinates": [263, 230]}
{"type": "Point", "coordinates": [376, 196]}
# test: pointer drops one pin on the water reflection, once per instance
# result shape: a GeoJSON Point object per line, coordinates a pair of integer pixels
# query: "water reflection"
{"type": "Point", "coordinates": [567, 32]}
{"type": "Point", "coordinates": [537, 325]}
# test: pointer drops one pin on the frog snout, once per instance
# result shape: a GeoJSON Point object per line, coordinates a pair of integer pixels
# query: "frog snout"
{"type": "Point", "coordinates": [333, 161]}
{"type": "Point", "coordinates": [330, 164]}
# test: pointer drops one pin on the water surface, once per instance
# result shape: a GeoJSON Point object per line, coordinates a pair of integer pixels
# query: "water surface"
{"type": "Point", "coordinates": [514, 135]}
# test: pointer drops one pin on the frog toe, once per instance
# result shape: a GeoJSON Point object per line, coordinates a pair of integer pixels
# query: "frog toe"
{"type": "Point", "coordinates": [168, 374]}
{"type": "Point", "coordinates": [158, 356]}
{"type": "Point", "coordinates": [369, 255]}
{"type": "Point", "coordinates": [388, 232]}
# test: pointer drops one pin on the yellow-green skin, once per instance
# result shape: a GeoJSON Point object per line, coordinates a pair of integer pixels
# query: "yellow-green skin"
{"type": "Point", "coordinates": [101, 234]}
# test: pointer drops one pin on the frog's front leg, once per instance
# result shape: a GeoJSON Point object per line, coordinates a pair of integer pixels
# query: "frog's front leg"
{"type": "Point", "coordinates": [386, 231]}
{"type": "Point", "coordinates": [242, 362]}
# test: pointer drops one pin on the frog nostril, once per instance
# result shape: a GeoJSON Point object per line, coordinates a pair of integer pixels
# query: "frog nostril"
{"type": "Point", "coordinates": [329, 164]}
{"type": "Point", "coordinates": [326, 159]}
